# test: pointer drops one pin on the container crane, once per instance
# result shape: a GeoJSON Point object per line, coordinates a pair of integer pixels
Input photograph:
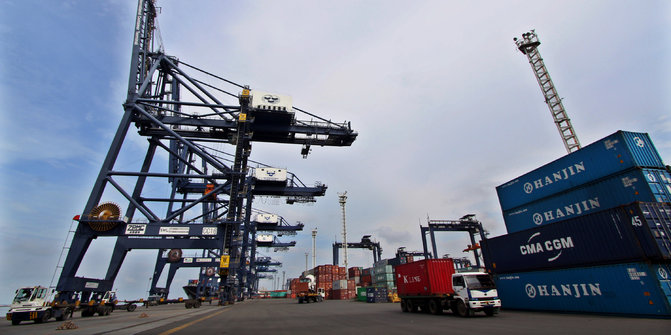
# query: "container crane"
{"type": "Point", "coordinates": [528, 45]}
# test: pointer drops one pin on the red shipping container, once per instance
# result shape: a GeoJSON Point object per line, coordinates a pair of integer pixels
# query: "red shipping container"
{"type": "Point", "coordinates": [340, 294]}
{"type": "Point", "coordinates": [300, 287]}
{"type": "Point", "coordinates": [354, 272]}
{"type": "Point", "coordinates": [425, 277]}
{"type": "Point", "coordinates": [351, 284]}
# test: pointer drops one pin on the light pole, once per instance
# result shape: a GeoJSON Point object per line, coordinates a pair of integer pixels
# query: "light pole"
{"type": "Point", "coordinates": [314, 248]}
{"type": "Point", "coordinates": [343, 199]}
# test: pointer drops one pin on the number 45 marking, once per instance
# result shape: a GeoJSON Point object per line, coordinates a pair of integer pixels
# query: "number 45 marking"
{"type": "Point", "coordinates": [636, 221]}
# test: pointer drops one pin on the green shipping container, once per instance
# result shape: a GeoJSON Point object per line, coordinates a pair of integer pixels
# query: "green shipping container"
{"type": "Point", "coordinates": [278, 294]}
{"type": "Point", "coordinates": [361, 294]}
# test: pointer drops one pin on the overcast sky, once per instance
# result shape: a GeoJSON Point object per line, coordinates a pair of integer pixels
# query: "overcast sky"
{"type": "Point", "coordinates": [445, 106]}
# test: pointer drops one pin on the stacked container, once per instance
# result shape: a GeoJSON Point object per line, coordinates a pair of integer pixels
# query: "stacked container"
{"type": "Point", "coordinates": [589, 232]}
{"type": "Point", "coordinates": [384, 274]}
{"type": "Point", "coordinates": [367, 277]}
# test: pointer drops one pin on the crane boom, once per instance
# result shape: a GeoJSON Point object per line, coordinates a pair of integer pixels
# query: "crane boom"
{"type": "Point", "coordinates": [528, 45]}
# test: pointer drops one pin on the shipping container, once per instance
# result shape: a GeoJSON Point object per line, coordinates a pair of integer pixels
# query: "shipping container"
{"type": "Point", "coordinates": [354, 272]}
{"type": "Point", "coordinates": [646, 185]}
{"type": "Point", "coordinates": [628, 288]}
{"type": "Point", "coordinates": [635, 232]}
{"type": "Point", "coordinates": [383, 262]}
{"type": "Point", "coordinates": [340, 284]}
{"type": "Point", "coordinates": [370, 294]}
{"type": "Point", "coordinates": [384, 277]}
{"type": "Point", "coordinates": [613, 154]}
{"type": "Point", "coordinates": [267, 218]}
{"type": "Point", "coordinates": [388, 284]}
{"type": "Point", "coordinates": [425, 277]}
{"type": "Point", "coordinates": [270, 175]}
{"type": "Point", "coordinates": [339, 294]}
{"type": "Point", "coordinates": [383, 269]}
{"type": "Point", "coordinates": [300, 287]}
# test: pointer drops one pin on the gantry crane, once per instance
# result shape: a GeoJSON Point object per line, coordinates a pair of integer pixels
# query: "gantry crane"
{"type": "Point", "coordinates": [366, 243]}
{"type": "Point", "coordinates": [180, 110]}
{"type": "Point", "coordinates": [528, 45]}
{"type": "Point", "coordinates": [466, 223]}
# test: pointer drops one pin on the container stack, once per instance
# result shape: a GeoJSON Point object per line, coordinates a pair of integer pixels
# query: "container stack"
{"type": "Point", "coordinates": [367, 277]}
{"type": "Point", "coordinates": [324, 277]}
{"type": "Point", "coordinates": [354, 273]}
{"type": "Point", "coordinates": [384, 275]}
{"type": "Point", "coordinates": [589, 232]}
{"type": "Point", "coordinates": [376, 294]}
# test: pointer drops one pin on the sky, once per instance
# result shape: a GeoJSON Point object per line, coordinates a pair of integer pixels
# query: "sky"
{"type": "Point", "coordinates": [445, 106]}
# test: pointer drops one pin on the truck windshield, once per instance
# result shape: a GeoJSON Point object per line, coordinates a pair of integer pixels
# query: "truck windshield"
{"type": "Point", "coordinates": [480, 282]}
{"type": "Point", "coordinates": [23, 294]}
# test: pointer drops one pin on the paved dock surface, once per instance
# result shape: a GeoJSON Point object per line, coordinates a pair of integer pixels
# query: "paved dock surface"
{"type": "Point", "coordinates": [283, 316]}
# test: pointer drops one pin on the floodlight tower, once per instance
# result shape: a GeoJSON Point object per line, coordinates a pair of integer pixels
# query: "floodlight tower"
{"type": "Point", "coordinates": [314, 248]}
{"type": "Point", "coordinates": [306, 262]}
{"type": "Point", "coordinates": [343, 199]}
{"type": "Point", "coordinates": [528, 45]}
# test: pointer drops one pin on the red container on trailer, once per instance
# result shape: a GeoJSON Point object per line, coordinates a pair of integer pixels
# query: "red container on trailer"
{"type": "Point", "coordinates": [425, 277]}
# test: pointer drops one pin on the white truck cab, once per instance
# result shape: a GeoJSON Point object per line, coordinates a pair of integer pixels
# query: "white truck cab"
{"type": "Point", "coordinates": [32, 303]}
{"type": "Point", "coordinates": [475, 291]}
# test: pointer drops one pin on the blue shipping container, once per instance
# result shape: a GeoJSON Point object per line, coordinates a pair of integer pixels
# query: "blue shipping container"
{"type": "Point", "coordinates": [612, 154]}
{"type": "Point", "coordinates": [648, 185]}
{"type": "Point", "coordinates": [632, 233]}
{"type": "Point", "coordinates": [629, 288]}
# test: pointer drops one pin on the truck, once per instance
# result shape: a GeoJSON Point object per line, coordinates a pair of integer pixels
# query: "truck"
{"type": "Point", "coordinates": [32, 304]}
{"type": "Point", "coordinates": [101, 303]}
{"type": "Point", "coordinates": [157, 299]}
{"type": "Point", "coordinates": [433, 285]}
{"type": "Point", "coordinates": [35, 304]}
{"type": "Point", "coordinates": [307, 290]}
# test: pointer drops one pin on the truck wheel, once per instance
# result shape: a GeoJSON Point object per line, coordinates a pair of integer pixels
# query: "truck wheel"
{"type": "Point", "coordinates": [131, 307]}
{"type": "Point", "coordinates": [16, 322]}
{"type": "Point", "coordinates": [434, 307]}
{"type": "Point", "coordinates": [187, 305]}
{"type": "Point", "coordinates": [404, 306]}
{"type": "Point", "coordinates": [65, 315]}
{"type": "Point", "coordinates": [45, 317]}
{"type": "Point", "coordinates": [300, 300]}
{"type": "Point", "coordinates": [412, 306]}
{"type": "Point", "coordinates": [491, 311]}
{"type": "Point", "coordinates": [462, 310]}
{"type": "Point", "coordinates": [196, 304]}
